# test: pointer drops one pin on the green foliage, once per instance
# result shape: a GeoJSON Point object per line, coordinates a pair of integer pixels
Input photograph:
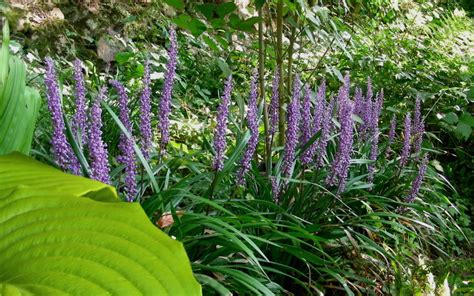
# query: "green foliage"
{"type": "Point", "coordinates": [67, 234]}
{"type": "Point", "coordinates": [19, 104]}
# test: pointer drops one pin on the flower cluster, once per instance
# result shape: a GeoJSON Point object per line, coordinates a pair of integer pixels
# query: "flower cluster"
{"type": "Point", "coordinates": [292, 130]}
{"type": "Point", "coordinates": [97, 148]}
{"type": "Point", "coordinates": [166, 96]}
{"type": "Point", "coordinates": [126, 144]}
{"type": "Point", "coordinates": [340, 165]}
{"type": "Point", "coordinates": [306, 127]}
{"type": "Point", "coordinates": [252, 122]}
{"type": "Point", "coordinates": [221, 129]}
{"type": "Point", "coordinates": [418, 180]}
{"type": "Point", "coordinates": [63, 154]}
{"type": "Point", "coordinates": [326, 128]}
{"type": "Point", "coordinates": [80, 118]}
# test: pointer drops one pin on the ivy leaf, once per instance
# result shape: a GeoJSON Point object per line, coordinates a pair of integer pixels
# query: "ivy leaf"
{"type": "Point", "coordinates": [234, 21]}
{"type": "Point", "coordinates": [224, 67]}
{"type": "Point", "coordinates": [178, 4]}
{"type": "Point", "coordinates": [259, 3]}
{"type": "Point", "coordinates": [123, 57]}
{"type": "Point", "coordinates": [467, 119]}
{"type": "Point", "coordinates": [195, 26]}
{"type": "Point", "coordinates": [248, 24]}
{"type": "Point", "coordinates": [451, 118]}
{"type": "Point", "coordinates": [210, 43]}
{"type": "Point", "coordinates": [207, 9]}
{"type": "Point", "coordinates": [226, 8]}
{"type": "Point", "coordinates": [217, 23]}
{"type": "Point", "coordinates": [182, 21]}
{"type": "Point", "coordinates": [463, 131]}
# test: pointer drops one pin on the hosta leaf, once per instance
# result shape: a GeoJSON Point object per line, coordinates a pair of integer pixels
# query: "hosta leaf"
{"type": "Point", "coordinates": [55, 240]}
{"type": "Point", "coordinates": [19, 104]}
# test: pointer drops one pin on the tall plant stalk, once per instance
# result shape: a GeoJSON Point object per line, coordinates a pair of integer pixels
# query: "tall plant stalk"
{"type": "Point", "coordinates": [279, 58]}
{"type": "Point", "coordinates": [261, 67]}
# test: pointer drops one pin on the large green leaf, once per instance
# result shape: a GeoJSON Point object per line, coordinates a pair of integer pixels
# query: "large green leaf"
{"type": "Point", "coordinates": [19, 104]}
{"type": "Point", "coordinates": [55, 240]}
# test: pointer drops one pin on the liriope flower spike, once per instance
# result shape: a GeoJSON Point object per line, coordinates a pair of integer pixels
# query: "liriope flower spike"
{"type": "Point", "coordinates": [252, 122]}
{"type": "Point", "coordinates": [63, 154]}
{"type": "Point", "coordinates": [221, 128]}
{"type": "Point", "coordinates": [99, 162]}
{"type": "Point", "coordinates": [166, 95]}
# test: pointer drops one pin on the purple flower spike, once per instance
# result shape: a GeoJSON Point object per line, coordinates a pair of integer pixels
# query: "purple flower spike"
{"type": "Point", "coordinates": [318, 115]}
{"type": "Point", "coordinates": [419, 138]}
{"type": "Point", "coordinates": [274, 104]}
{"type": "Point", "coordinates": [418, 180]}
{"type": "Point", "coordinates": [318, 118]}
{"type": "Point", "coordinates": [97, 148]}
{"type": "Point", "coordinates": [292, 130]}
{"type": "Point", "coordinates": [219, 136]}
{"type": "Point", "coordinates": [252, 122]}
{"type": "Point", "coordinates": [393, 126]}
{"type": "Point", "coordinates": [376, 110]}
{"type": "Point", "coordinates": [127, 156]}
{"type": "Point", "coordinates": [145, 116]}
{"type": "Point", "coordinates": [340, 166]}
{"type": "Point", "coordinates": [326, 128]}
{"type": "Point", "coordinates": [306, 128]}
{"type": "Point", "coordinates": [79, 124]}
{"type": "Point", "coordinates": [63, 154]}
{"type": "Point", "coordinates": [406, 141]}
{"type": "Point", "coordinates": [165, 103]}
{"type": "Point", "coordinates": [358, 102]}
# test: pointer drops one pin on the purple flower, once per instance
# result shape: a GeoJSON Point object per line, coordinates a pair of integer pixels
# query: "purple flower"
{"type": "Point", "coordinates": [145, 107]}
{"type": "Point", "coordinates": [292, 130]}
{"type": "Point", "coordinates": [418, 138]}
{"type": "Point", "coordinates": [127, 156]}
{"type": "Point", "coordinates": [252, 122]}
{"type": "Point", "coordinates": [340, 165]}
{"type": "Point", "coordinates": [63, 154]}
{"type": "Point", "coordinates": [79, 123]}
{"type": "Point", "coordinates": [219, 135]}
{"type": "Point", "coordinates": [376, 110]}
{"type": "Point", "coordinates": [318, 117]}
{"type": "Point", "coordinates": [325, 132]}
{"type": "Point", "coordinates": [393, 126]}
{"type": "Point", "coordinates": [358, 102]}
{"type": "Point", "coordinates": [418, 180]}
{"type": "Point", "coordinates": [406, 141]}
{"type": "Point", "coordinates": [274, 103]}
{"type": "Point", "coordinates": [306, 128]}
{"type": "Point", "coordinates": [97, 148]}
{"type": "Point", "coordinates": [165, 103]}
